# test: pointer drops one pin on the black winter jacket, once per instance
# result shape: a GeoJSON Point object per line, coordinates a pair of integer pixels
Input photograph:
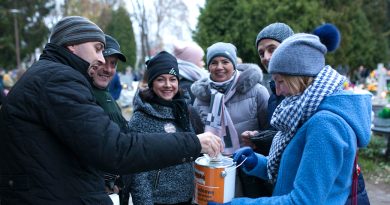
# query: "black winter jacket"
{"type": "Point", "coordinates": [170, 185]}
{"type": "Point", "coordinates": [55, 140]}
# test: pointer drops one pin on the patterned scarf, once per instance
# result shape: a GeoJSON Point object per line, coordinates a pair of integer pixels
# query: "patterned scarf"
{"type": "Point", "coordinates": [296, 110]}
{"type": "Point", "coordinates": [218, 119]}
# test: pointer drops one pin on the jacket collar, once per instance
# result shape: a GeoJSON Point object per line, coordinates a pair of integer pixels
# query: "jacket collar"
{"type": "Point", "coordinates": [59, 54]}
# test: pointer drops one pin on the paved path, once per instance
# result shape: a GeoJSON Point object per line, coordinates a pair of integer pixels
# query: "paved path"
{"type": "Point", "coordinates": [379, 194]}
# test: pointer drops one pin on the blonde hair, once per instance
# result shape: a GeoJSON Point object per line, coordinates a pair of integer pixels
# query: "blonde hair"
{"type": "Point", "coordinates": [297, 84]}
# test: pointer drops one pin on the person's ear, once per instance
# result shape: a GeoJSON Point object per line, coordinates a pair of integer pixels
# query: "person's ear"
{"type": "Point", "coordinates": [92, 69]}
{"type": "Point", "coordinates": [72, 48]}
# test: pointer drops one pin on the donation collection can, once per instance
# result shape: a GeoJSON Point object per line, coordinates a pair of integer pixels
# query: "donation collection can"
{"type": "Point", "coordinates": [214, 180]}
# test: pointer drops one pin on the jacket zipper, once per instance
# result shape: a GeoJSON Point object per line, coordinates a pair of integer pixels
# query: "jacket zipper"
{"type": "Point", "coordinates": [157, 179]}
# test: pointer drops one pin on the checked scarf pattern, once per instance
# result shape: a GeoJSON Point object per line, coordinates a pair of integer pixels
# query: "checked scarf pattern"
{"type": "Point", "coordinates": [295, 110]}
{"type": "Point", "coordinates": [218, 119]}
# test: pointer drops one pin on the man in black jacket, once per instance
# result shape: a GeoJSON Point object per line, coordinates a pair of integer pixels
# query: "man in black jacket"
{"type": "Point", "coordinates": [55, 139]}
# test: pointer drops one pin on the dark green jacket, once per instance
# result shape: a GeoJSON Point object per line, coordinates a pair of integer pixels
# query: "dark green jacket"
{"type": "Point", "coordinates": [111, 108]}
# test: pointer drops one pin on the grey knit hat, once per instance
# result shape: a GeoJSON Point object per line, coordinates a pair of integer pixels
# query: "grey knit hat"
{"type": "Point", "coordinates": [300, 55]}
{"type": "Point", "coordinates": [73, 30]}
{"type": "Point", "coordinates": [226, 50]}
{"type": "Point", "coordinates": [276, 31]}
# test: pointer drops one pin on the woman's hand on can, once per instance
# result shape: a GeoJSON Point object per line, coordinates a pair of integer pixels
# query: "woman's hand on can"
{"type": "Point", "coordinates": [211, 144]}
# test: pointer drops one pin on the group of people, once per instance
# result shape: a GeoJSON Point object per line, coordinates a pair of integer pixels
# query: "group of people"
{"type": "Point", "coordinates": [62, 131]}
{"type": "Point", "coordinates": [56, 139]}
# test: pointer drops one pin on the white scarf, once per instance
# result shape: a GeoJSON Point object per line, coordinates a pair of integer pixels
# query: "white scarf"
{"type": "Point", "coordinates": [218, 119]}
{"type": "Point", "coordinates": [295, 110]}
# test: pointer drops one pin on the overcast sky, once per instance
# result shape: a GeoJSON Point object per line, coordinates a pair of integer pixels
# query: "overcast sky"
{"type": "Point", "coordinates": [169, 39]}
{"type": "Point", "coordinates": [193, 8]}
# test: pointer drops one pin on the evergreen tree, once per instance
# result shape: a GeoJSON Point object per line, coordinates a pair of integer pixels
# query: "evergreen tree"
{"type": "Point", "coordinates": [238, 22]}
{"type": "Point", "coordinates": [121, 28]}
{"type": "Point", "coordinates": [299, 15]}
{"type": "Point", "coordinates": [32, 29]}
{"type": "Point", "coordinates": [216, 22]}
{"type": "Point", "coordinates": [377, 15]}
{"type": "Point", "coordinates": [363, 24]}
{"type": "Point", "coordinates": [114, 22]}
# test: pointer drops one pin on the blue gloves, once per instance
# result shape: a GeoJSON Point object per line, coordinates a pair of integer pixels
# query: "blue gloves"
{"type": "Point", "coordinates": [245, 152]}
{"type": "Point", "coordinates": [215, 203]}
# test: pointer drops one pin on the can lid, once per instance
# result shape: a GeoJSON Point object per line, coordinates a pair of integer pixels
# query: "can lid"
{"type": "Point", "coordinates": [222, 163]}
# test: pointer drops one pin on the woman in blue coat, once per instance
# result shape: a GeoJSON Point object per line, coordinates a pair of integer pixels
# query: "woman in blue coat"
{"type": "Point", "coordinates": [320, 126]}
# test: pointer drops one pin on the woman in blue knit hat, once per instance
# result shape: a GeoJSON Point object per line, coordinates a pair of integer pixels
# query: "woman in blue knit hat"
{"type": "Point", "coordinates": [267, 40]}
{"type": "Point", "coordinates": [311, 160]}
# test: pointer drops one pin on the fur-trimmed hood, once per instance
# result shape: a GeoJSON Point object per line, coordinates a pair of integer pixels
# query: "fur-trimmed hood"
{"type": "Point", "coordinates": [250, 75]}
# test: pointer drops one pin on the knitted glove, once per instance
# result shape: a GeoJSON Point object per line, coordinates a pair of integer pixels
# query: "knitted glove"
{"type": "Point", "coordinates": [245, 152]}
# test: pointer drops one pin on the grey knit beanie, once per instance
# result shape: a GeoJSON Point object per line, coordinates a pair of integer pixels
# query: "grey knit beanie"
{"type": "Point", "coordinates": [226, 50]}
{"type": "Point", "coordinates": [73, 30]}
{"type": "Point", "coordinates": [276, 31]}
{"type": "Point", "coordinates": [300, 55]}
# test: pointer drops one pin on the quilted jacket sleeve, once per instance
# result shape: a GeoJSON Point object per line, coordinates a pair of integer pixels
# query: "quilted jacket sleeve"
{"type": "Point", "coordinates": [88, 132]}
